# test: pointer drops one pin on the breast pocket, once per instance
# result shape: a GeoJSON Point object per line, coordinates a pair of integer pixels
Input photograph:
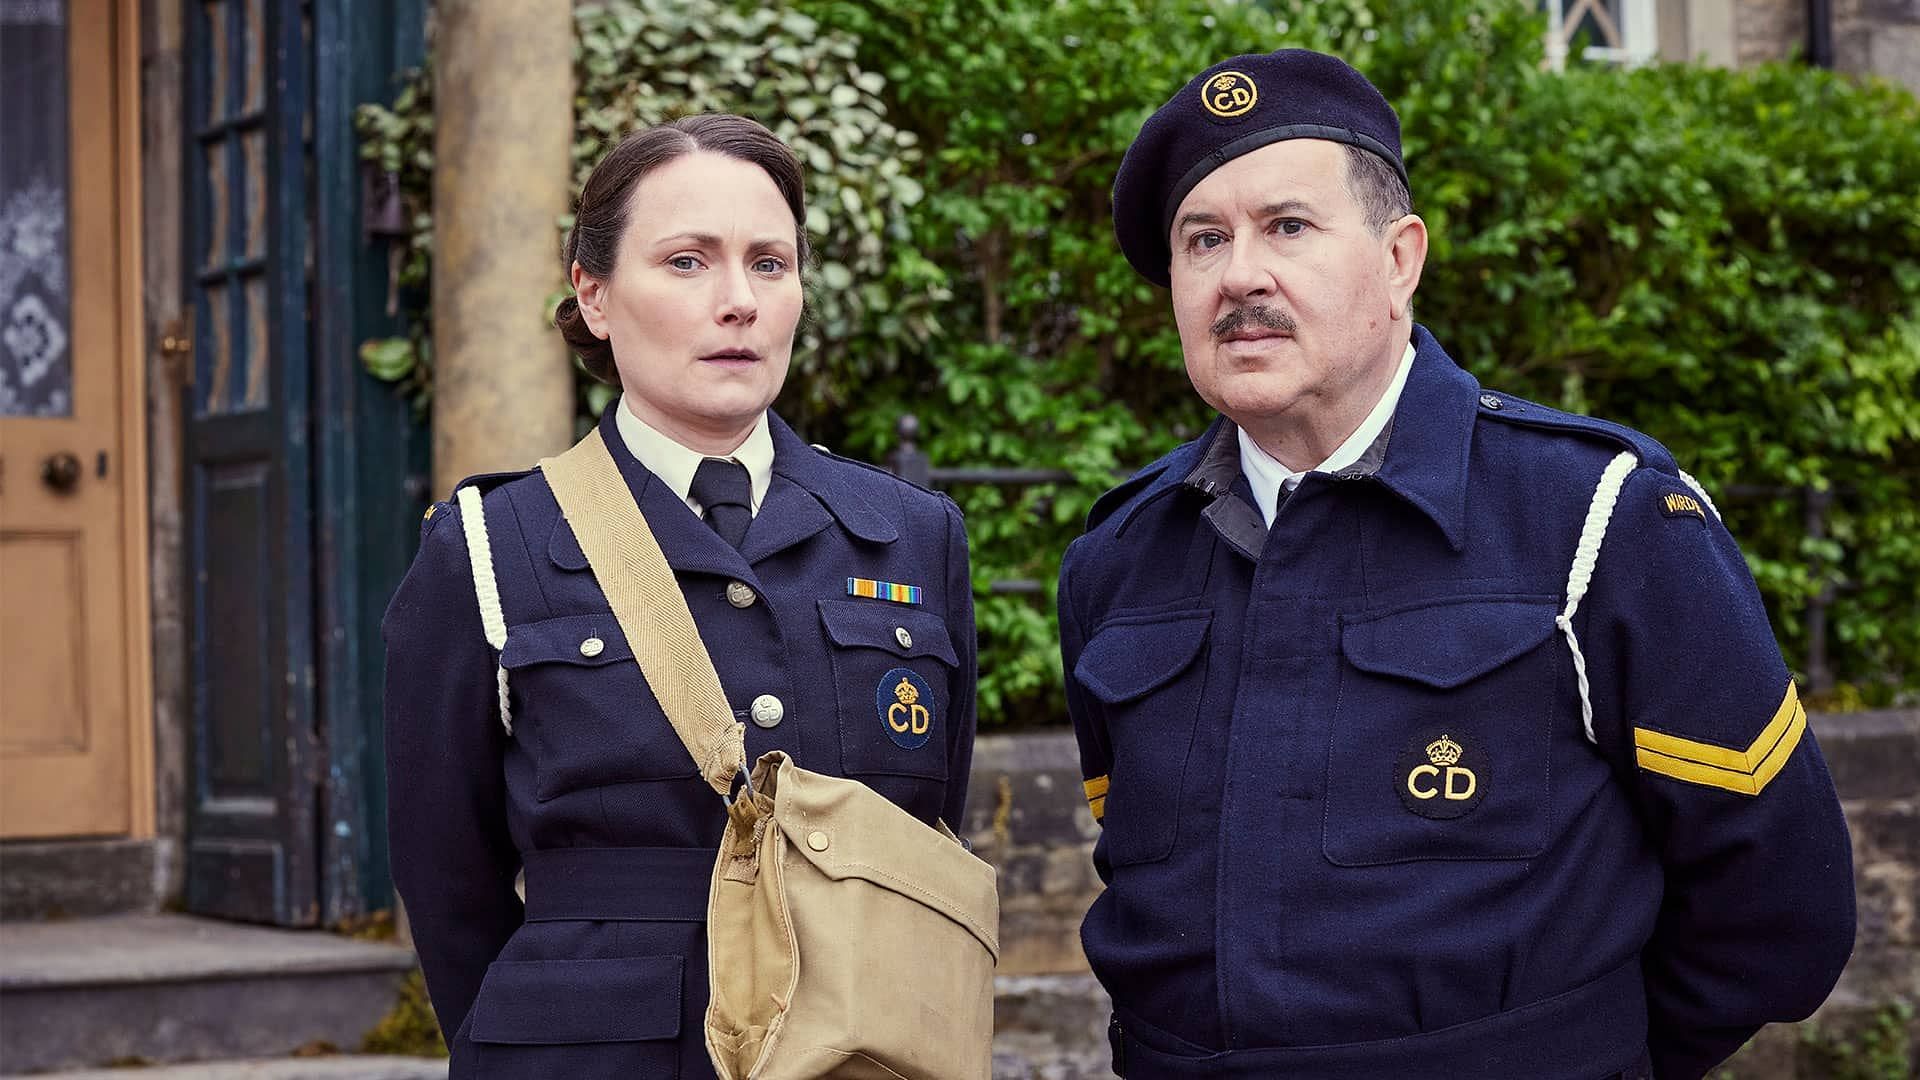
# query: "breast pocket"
{"type": "Point", "coordinates": [1144, 671]}
{"type": "Point", "coordinates": [1443, 734]}
{"type": "Point", "coordinates": [893, 671]}
{"type": "Point", "coordinates": [583, 710]}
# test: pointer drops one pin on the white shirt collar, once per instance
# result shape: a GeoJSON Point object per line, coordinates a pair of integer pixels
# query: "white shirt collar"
{"type": "Point", "coordinates": [674, 464]}
{"type": "Point", "coordinates": [1267, 476]}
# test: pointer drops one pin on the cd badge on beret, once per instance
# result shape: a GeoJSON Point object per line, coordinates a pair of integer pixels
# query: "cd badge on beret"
{"type": "Point", "coordinates": [1229, 94]}
{"type": "Point", "coordinates": [905, 702]}
{"type": "Point", "coordinates": [1442, 777]}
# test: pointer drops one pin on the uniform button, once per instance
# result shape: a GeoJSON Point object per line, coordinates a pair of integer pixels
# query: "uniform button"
{"type": "Point", "coordinates": [817, 840]}
{"type": "Point", "coordinates": [1491, 402]}
{"type": "Point", "coordinates": [592, 647]}
{"type": "Point", "coordinates": [905, 639]}
{"type": "Point", "coordinates": [740, 594]}
{"type": "Point", "coordinates": [767, 710]}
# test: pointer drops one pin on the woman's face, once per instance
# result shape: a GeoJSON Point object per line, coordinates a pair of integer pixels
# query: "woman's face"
{"type": "Point", "coordinates": [703, 301]}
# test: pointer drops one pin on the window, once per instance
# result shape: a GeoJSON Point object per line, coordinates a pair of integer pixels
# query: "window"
{"type": "Point", "coordinates": [1615, 31]}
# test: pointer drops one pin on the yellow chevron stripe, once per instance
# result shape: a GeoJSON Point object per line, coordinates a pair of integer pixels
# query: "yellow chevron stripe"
{"type": "Point", "coordinates": [1096, 796]}
{"type": "Point", "coordinates": [1706, 754]}
{"type": "Point", "coordinates": [1745, 772]}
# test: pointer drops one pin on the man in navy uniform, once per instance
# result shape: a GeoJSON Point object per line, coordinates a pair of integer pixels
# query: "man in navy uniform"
{"type": "Point", "coordinates": [1455, 742]}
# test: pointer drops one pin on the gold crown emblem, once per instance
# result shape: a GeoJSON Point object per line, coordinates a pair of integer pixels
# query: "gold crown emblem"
{"type": "Point", "coordinates": [1444, 751]}
{"type": "Point", "coordinates": [906, 693]}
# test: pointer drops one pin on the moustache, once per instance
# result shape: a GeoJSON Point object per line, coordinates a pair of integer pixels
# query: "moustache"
{"type": "Point", "coordinates": [1257, 315]}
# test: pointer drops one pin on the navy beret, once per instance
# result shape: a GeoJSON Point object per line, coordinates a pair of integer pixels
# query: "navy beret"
{"type": "Point", "coordinates": [1232, 108]}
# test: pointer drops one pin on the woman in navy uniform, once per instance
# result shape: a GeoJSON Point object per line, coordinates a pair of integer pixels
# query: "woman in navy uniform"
{"type": "Point", "coordinates": [521, 735]}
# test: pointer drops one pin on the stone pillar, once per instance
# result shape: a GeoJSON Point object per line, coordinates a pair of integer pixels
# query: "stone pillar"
{"type": "Point", "coordinates": [1701, 30]}
{"type": "Point", "coordinates": [503, 115]}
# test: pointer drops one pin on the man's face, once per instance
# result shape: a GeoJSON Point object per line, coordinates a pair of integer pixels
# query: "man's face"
{"type": "Point", "coordinates": [1286, 301]}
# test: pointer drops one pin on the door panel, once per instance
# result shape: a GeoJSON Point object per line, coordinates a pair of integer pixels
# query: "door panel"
{"type": "Point", "coordinates": [46, 715]}
{"type": "Point", "coordinates": [66, 699]}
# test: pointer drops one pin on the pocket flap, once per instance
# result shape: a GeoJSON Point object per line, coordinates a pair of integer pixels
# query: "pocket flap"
{"type": "Point", "coordinates": [550, 1002]}
{"type": "Point", "coordinates": [847, 830]}
{"type": "Point", "coordinates": [1127, 660]}
{"type": "Point", "coordinates": [877, 624]}
{"type": "Point", "coordinates": [1448, 643]}
{"type": "Point", "coordinates": [566, 640]}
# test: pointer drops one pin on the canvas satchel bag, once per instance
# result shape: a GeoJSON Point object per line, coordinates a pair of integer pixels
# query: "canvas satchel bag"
{"type": "Point", "coordinates": [844, 937]}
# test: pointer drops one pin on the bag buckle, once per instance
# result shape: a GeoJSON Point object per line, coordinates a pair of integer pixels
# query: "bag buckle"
{"type": "Point", "coordinates": [733, 793]}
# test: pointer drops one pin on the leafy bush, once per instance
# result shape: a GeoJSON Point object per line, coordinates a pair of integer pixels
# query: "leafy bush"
{"type": "Point", "coordinates": [1728, 261]}
{"type": "Point", "coordinates": [1882, 1048]}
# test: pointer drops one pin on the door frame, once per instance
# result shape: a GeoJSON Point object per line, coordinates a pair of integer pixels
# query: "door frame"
{"type": "Point", "coordinates": [130, 350]}
{"type": "Point", "coordinates": [134, 351]}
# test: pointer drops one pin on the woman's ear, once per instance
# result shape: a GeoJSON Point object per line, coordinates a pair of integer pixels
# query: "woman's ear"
{"type": "Point", "coordinates": [591, 294]}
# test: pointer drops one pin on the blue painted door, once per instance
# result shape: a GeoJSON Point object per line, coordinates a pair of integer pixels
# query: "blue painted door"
{"type": "Point", "coordinates": [256, 755]}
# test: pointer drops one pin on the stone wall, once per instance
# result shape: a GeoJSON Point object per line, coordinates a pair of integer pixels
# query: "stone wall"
{"type": "Point", "coordinates": [1027, 816]}
{"type": "Point", "coordinates": [1879, 37]}
{"type": "Point", "coordinates": [1766, 30]}
{"type": "Point", "coordinates": [1870, 37]}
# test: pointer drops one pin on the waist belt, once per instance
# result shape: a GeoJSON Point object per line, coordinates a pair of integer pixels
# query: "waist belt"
{"type": "Point", "coordinates": [1595, 1030]}
{"type": "Point", "coordinates": [618, 884]}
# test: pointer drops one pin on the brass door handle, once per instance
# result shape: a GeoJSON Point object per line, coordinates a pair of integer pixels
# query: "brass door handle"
{"type": "Point", "coordinates": [61, 472]}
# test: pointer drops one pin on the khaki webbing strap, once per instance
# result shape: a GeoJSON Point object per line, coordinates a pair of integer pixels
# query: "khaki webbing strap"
{"type": "Point", "coordinates": [647, 603]}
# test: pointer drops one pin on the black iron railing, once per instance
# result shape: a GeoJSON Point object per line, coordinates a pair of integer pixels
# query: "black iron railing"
{"type": "Point", "coordinates": [910, 463]}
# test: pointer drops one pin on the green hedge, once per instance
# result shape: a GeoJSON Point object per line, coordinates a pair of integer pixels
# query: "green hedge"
{"type": "Point", "coordinates": [1729, 261]}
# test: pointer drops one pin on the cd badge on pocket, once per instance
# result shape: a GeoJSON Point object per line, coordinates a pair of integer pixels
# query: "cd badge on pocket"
{"type": "Point", "coordinates": [1441, 777]}
{"type": "Point", "coordinates": [905, 702]}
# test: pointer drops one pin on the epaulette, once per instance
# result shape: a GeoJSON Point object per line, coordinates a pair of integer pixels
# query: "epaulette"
{"type": "Point", "coordinates": [484, 482]}
{"type": "Point", "coordinates": [487, 481]}
{"type": "Point", "coordinates": [872, 468]}
{"type": "Point", "coordinates": [1517, 410]}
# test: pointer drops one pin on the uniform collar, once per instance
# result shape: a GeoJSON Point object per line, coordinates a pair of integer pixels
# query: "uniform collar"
{"type": "Point", "coordinates": [828, 480]}
{"type": "Point", "coordinates": [1420, 454]}
{"type": "Point", "coordinates": [1432, 438]}
{"type": "Point", "coordinates": [675, 464]}
{"type": "Point", "coordinates": [805, 494]}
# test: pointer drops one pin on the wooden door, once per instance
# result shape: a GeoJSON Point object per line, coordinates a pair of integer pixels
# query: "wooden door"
{"type": "Point", "coordinates": [73, 709]}
{"type": "Point", "coordinates": [257, 754]}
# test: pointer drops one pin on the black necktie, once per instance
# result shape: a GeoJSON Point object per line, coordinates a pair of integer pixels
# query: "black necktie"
{"type": "Point", "coordinates": [725, 493]}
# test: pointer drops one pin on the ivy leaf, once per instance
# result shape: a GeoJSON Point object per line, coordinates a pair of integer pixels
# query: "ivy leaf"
{"type": "Point", "coordinates": [388, 359]}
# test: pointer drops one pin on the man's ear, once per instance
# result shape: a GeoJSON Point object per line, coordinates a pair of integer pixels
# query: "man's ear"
{"type": "Point", "coordinates": [1406, 255]}
{"type": "Point", "coordinates": [591, 294]}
